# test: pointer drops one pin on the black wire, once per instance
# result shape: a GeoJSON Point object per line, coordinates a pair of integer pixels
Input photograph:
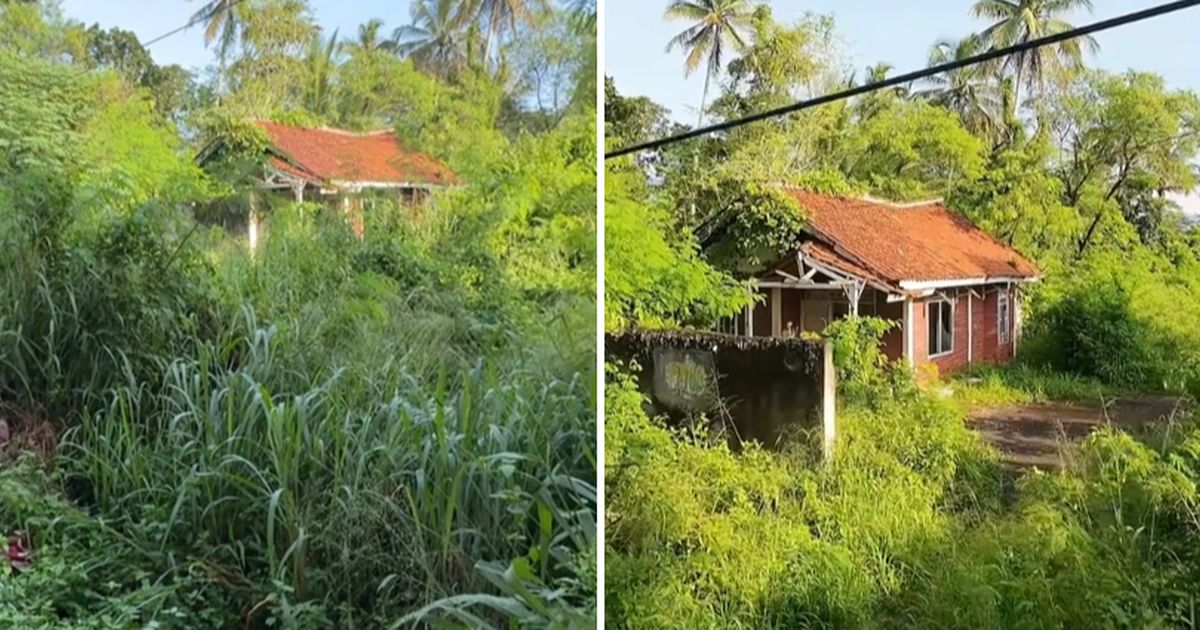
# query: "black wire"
{"type": "Point", "coordinates": [1121, 20]}
{"type": "Point", "coordinates": [194, 21]}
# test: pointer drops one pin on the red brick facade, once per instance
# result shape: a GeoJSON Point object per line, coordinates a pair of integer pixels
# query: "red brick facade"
{"type": "Point", "coordinates": [975, 316]}
{"type": "Point", "coordinates": [976, 323]}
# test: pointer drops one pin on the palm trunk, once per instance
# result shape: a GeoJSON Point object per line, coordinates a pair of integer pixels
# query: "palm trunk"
{"type": "Point", "coordinates": [703, 98]}
{"type": "Point", "coordinates": [487, 49]}
{"type": "Point", "coordinates": [1016, 100]}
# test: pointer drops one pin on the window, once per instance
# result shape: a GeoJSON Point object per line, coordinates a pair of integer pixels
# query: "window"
{"type": "Point", "coordinates": [1003, 318]}
{"type": "Point", "coordinates": [939, 317]}
{"type": "Point", "coordinates": [866, 306]}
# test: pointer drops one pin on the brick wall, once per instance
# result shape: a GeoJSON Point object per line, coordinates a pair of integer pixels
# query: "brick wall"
{"type": "Point", "coordinates": [946, 363]}
{"type": "Point", "coordinates": [984, 339]}
{"type": "Point", "coordinates": [982, 312]}
{"type": "Point", "coordinates": [987, 346]}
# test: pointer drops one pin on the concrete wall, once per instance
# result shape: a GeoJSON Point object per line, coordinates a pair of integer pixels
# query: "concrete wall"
{"type": "Point", "coordinates": [761, 389]}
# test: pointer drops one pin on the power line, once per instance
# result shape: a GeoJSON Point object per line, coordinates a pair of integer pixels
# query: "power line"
{"type": "Point", "coordinates": [194, 21]}
{"type": "Point", "coordinates": [1103, 25]}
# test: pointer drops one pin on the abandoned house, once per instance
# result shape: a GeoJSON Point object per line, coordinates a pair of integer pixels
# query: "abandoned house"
{"type": "Point", "coordinates": [954, 291]}
{"type": "Point", "coordinates": [345, 171]}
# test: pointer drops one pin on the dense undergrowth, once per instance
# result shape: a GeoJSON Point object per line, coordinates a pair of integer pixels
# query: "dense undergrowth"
{"type": "Point", "coordinates": [329, 432]}
{"type": "Point", "coordinates": [913, 524]}
{"type": "Point", "coordinates": [339, 444]}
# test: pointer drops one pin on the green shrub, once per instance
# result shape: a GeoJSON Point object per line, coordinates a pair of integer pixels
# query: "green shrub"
{"type": "Point", "coordinates": [911, 525]}
{"type": "Point", "coordinates": [1093, 331]}
{"type": "Point", "coordinates": [89, 573]}
{"type": "Point", "coordinates": [863, 371]}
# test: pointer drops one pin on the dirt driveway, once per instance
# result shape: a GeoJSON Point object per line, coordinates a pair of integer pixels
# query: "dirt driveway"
{"type": "Point", "coordinates": [1032, 434]}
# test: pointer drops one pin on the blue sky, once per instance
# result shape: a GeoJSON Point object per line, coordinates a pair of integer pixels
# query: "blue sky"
{"type": "Point", "coordinates": [151, 18]}
{"type": "Point", "coordinates": [899, 32]}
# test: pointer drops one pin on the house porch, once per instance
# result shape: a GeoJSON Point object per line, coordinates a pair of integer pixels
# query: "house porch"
{"type": "Point", "coordinates": [949, 327]}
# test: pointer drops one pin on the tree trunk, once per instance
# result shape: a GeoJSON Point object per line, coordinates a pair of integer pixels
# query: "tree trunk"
{"type": "Point", "coordinates": [704, 98]}
{"type": "Point", "coordinates": [1016, 99]}
{"type": "Point", "coordinates": [1087, 236]}
{"type": "Point", "coordinates": [487, 48]}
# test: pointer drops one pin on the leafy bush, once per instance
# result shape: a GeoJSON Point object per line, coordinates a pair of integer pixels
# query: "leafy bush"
{"type": "Point", "coordinates": [1125, 321]}
{"type": "Point", "coordinates": [863, 370]}
{"type": "Point", "coordinates": [909, 526]}
{"type": "Point", "coordinates": [89, 573]}
{"type": "Point", "coordinates": [1095, 333]}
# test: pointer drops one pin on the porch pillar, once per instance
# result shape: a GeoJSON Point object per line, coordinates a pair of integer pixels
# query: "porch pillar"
{"type": "Point", "coordinates": [252, 223]}
{"type": "Point", "coordinates": [750, 314]}
{"type": "Point", "coordinates": [856, 291]}
{"type": "Point", "coordinates": [1016, 316]}
{"type": "Point", "coordinates": [298, 191]}
{"type": "Point", "coordinates": [776, 312]}
{"type": "Point", "coordinates": [970, 326]}
{"type": "Point", "coordinates": [909, 323]}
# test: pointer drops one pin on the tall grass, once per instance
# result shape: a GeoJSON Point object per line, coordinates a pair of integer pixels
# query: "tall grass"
{"type": "Point", "coordinates": [910, 525]}
{"type": "Point", "coordinates": [333, 432]}
{"type": "Point", "coordinates": [331, 490]}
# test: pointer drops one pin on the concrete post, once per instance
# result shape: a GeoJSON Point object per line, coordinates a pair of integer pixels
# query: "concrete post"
{"type": "Point", "coordinates": [252, 223]}
{"type": "Point", "coordinates": [828, 401]}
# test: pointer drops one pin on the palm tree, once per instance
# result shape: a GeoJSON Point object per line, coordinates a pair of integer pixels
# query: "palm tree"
{"type": "Point", "coordinates": [369, 40]}
{"type": "Point", "coordinates": [436, 39]}
{"type": "Point", "coordinates": [1019, 21]}
{"type": "Point", "coordinates": [224, 22]}
{"type": "Point", "coordinates": [320, 63]}
{"type": "Point", "coordinates": [583, 15]}
{"type": "Point", "coordinates": [717, 26]}
{"type": "Point", "coordinates": [972, 91]}
{"type": "Point", "coordinates": [498, 17]}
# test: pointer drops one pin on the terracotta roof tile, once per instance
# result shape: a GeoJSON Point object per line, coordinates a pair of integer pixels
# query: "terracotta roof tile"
{"type": "Point", "coordinates": [826, 255]}
{"type": "Point", "coordinates": [330, 154]}
{"type": "Point", "coordinates": [918, 242]}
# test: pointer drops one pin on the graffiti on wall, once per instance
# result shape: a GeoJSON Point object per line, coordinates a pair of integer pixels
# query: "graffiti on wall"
{"type": "Point", "coordinates": [685, 378]}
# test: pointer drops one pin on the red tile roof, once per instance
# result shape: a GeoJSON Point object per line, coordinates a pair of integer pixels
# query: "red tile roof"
{"type": "Point", "coordinates": [328, 155]}
{"type": "Point", "coordinates": [913, 243]}
{"type": "Point", "coordinates": [828, 256]}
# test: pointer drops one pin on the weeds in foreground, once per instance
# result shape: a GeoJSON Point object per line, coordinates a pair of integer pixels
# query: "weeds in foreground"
{"type": "Point", "coordinates": [907, 527]}
{"type": "Point", "coordinates": [332, 434]}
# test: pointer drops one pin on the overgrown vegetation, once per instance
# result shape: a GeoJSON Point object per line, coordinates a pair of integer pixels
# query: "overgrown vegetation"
{"type": "Point", "coordinates": [333, 431]}
{"type": "Point", "coordinates": [915, 523]}
{"type": "Point", "coordinates": [700, 537]}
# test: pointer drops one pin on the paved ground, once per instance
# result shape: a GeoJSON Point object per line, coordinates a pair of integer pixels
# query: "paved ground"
{"type": "Point", "coordinates": [1034, 434]}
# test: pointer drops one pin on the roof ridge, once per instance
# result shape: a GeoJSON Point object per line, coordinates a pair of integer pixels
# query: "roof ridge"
{"type": "Point", "coordinates": [867, 198]}
{"type": "Point", "coordinates": [901, 205]}
{"type": "Point", "coordinates": [328, 129]}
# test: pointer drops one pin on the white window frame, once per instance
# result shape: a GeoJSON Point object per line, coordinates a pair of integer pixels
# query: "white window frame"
{"type": "Point", "coordinates": [1003, 305]}
{"type": "Point", "coordinates": [945, 303]}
